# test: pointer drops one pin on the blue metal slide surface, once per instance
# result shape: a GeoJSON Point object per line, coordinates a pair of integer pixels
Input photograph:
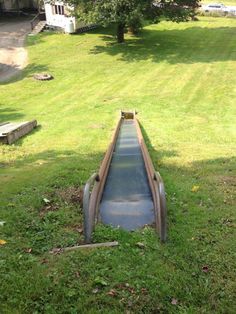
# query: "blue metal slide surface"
{"type": "Point", "coordinates": [127, 200]}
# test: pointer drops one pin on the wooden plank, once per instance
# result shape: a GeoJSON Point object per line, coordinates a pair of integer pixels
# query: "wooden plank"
{"type": "Point", "coordinates": [10, 132]}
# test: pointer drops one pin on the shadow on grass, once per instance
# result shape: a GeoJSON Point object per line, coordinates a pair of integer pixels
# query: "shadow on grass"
{"type": "Point", "coordinates": [41, 37]}
{"type": "Point", "coordinates": [9, 114]}
{"type": "Point", "coordinates": [17, 74]}
{"type": "Point", "coordinates": [151, 149]}
{"type": "Point", "coordinates": [190, 45]}
{"type": "Point", "coordinates": [7, 72]}
{"type": "Point", "coordinates": [65, 158]}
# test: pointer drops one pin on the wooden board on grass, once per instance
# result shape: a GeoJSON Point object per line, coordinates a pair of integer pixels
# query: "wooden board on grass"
{"type": "Point", "coordinates": [12, 131]}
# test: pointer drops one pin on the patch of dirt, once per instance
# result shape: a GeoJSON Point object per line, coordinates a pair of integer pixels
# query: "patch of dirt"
{"type": "Point", "coordinates": [48, 207]}
{"type": "Point", "coordinates": [71, 195]}
{"type": "Point", "coordinates": [227, 180]}
{"type": "Point", "coordinates": [75, 227]}
{"type": "Point", "coordinates": [11, 62]}
{"type": "Point", "coordinates": [227, 185]}
{"type": "Point", "coordinates": [13, 56]}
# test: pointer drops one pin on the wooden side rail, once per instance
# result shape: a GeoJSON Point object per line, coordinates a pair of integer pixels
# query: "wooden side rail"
{"type": "Point", "coordinates": [157, 188]}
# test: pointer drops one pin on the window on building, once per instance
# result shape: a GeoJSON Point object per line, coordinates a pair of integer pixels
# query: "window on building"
{"type": "Point", "coordinates": [58, 9]}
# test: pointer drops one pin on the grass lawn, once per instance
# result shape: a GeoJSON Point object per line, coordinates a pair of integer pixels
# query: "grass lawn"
{"type": "Point", "coordinates": [181, 79]}
{"type": "Point", "coordinates": [226, 2]}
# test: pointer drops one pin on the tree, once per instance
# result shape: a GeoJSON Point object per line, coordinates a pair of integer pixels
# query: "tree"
{"type": "Point", "coordinates": [131, 13]}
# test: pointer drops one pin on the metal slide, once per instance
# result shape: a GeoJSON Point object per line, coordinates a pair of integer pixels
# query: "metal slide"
{"type": "Point", "coordinates": [127, 192]}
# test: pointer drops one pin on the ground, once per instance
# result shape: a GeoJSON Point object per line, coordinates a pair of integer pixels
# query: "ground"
{"type": "Point", "coordinates": [181, 79]}
{"type": "Point", "coordinates": [13, 55]}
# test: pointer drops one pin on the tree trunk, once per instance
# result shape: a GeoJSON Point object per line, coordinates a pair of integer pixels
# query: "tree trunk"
{"type": "Point", "coordinates": [120, 33]}
{"type": "Point", "coordinates": [131, 30]}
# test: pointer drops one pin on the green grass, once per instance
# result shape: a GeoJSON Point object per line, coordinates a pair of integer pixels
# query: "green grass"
{"type": "Point", "coordinates": [181, 79]}
{"type": "Point", "coordinates": [227, 2]}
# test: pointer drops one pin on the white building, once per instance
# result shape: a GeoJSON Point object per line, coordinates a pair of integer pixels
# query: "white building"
{"type": "Point", "coordinates": [59, 14]}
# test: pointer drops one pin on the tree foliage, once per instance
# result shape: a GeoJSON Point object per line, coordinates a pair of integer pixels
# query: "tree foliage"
{"type": "Point", "coordinates": [131, 13]}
